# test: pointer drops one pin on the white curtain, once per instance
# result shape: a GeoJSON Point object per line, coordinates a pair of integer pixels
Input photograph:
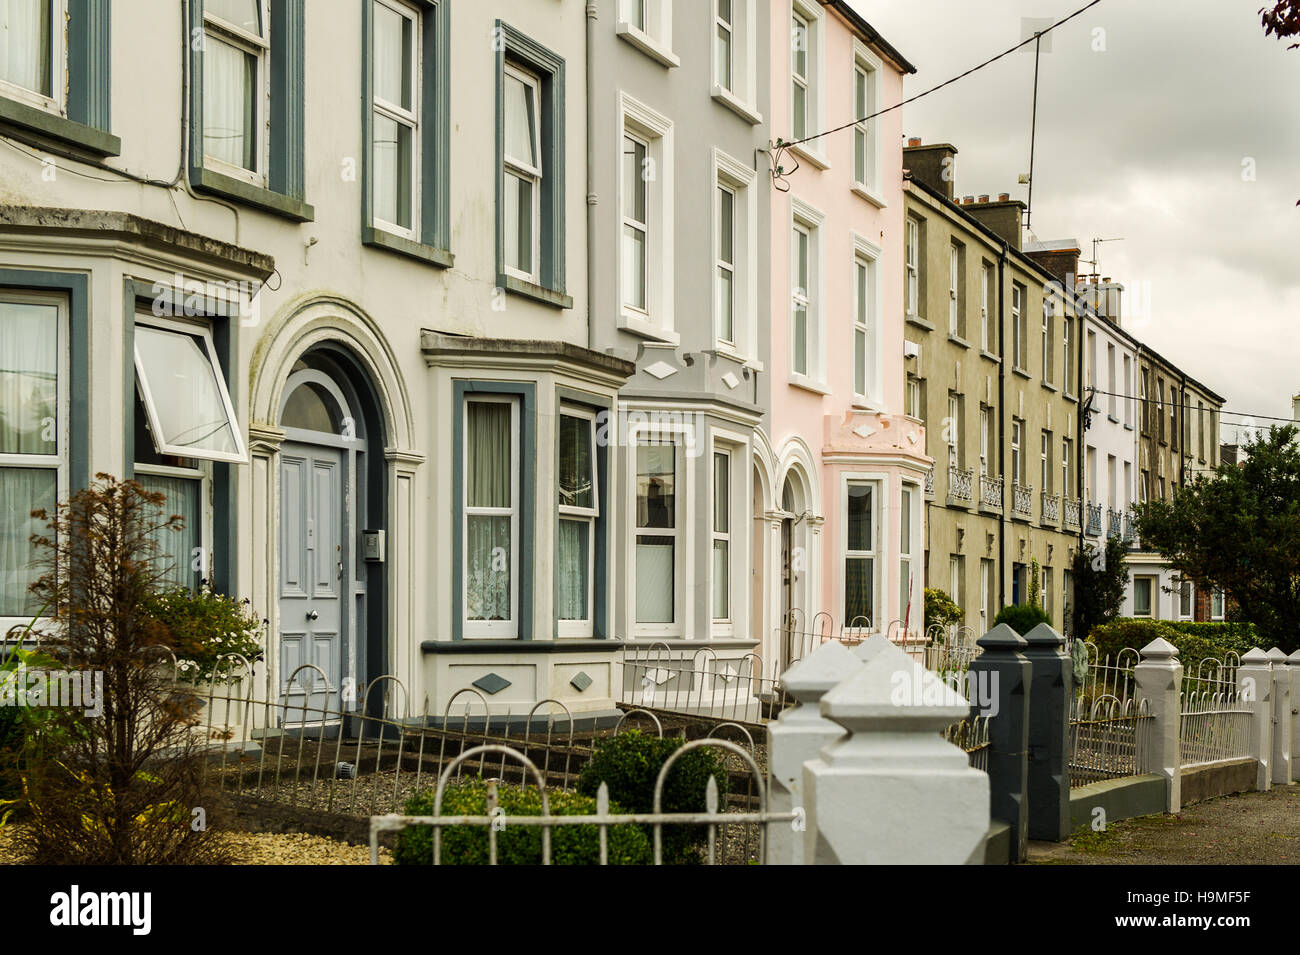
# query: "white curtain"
{"type": "Point", "coordinates": [487, 568]}
{"type": "Point", "coordinates": [228, 115]}
{"type": "Point", "coordinates": [29, 385]}
{"type": "Point", "coordinates": [25, 44]}
{"type": "Point", "coordinates": [488, 536]}
{"type": "Point", "coordinates": [176, 547]}
{"type": "Point", "coordinates": [21, 491]}
{"type": "Point", "coordinates": [654, 579]}
{"type": "Point", "coordinates": [571, 571]}
{"type": "Point", "coordinates": [721, 580]}
{"type": "Point", "coordinates": [488, 447]}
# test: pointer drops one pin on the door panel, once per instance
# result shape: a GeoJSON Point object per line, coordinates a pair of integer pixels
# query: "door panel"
{"type": "Point", "coordinates": [312, 612]}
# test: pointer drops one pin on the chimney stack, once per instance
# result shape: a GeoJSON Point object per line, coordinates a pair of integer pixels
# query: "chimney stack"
{"type": "Point", "coordinates": [1060, 257]}
{"type": "Point", "coordinates": [934, 166]}
{"type": "Point", "coordinates": [1003, 217]}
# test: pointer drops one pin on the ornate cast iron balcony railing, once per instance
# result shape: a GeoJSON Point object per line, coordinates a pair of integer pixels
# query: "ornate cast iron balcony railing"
{"type": "Point", "coordinates": [960, 484]}
{"type": "Point", "coordinates": [929, 483]}
{"type": "Point", "coordinates": [1094, 520]}
{"type": "Point", "coordinates": [1114, 523]}
{"type": "Point", "coordinates": [1051, 508]}
{"type": "Point", "coordinates": [1022, 499]}
{"type": "Point", "coordinates": [990, 493]}
{"type": "Point", "coordinates": [1072, 507]}
{"type": "Point", "coordinates": [1130, 527]}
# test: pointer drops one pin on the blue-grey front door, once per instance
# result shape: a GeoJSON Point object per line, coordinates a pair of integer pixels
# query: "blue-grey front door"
{"type": "Point", "coordinates": [313, 624]}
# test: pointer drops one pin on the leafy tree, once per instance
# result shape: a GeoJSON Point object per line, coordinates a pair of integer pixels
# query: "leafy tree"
{"type": "Point", "coordinates": [1022, 617]}
{"type": "Point", "coordinates": [941, 609]}
{"type": "Point", "coordinates": [1100, 580]}
{"type": "Point", "coordinates": [1240, 530]}
{"type": "Point", "coordinates": [1282, 21]}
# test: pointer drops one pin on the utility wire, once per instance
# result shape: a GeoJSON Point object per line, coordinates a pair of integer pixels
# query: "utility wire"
{"type": "Point", "coordinates": [934, 89]}
{"type": "Point", "coordinates": [1177, 404]}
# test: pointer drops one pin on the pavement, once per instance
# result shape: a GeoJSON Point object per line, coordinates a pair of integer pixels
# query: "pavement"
{"type": "Point", "coordinates": [1244, 829]}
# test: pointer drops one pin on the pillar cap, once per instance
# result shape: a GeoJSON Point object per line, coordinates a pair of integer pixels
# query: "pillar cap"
{"type": "Point", "coordinates": [809, 679]}
{"type": "Point", "coordinates": [1254, 655]}
{"type": "Point", "coordinates": [894, 689]}
{"type": "Point", "coordinates": [1002, 637]}
{"type": "Point", "coordinates": [1294, 659]}
{"type": "Point", "coordinates": [871, 646]}
{"type": "Point", "coordinates": [1044, 635]}
{"type": "Point", "coordinates": [1159, 649]}
{"type": "Point", "coordinates": [1277, 655]}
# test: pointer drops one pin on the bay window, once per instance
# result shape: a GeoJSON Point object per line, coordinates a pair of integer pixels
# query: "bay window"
{"type": "Point", "coordinates": [33, 452]}
{"type": "Point", "coordinates": [860, 551]}
{"type": "Point", "coordinates": [579, 506]}
{"type": "Point", "coordinates": [491, 516]}
{"type": "Point", "coordinates": [657, 534]}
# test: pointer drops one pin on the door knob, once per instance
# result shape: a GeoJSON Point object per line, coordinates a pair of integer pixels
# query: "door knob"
{"type": "Point", "coordinates": [312, 615]}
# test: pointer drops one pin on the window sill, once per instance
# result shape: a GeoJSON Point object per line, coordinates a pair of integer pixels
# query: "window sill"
{"type": "Point", "coordinates": [815, 159]}
{"type": "Point", "coordinates": [647, 329]}
{"type": "Point", "coordinates": [807, 384]}
{"type": "Point", "coordinates": [722, 350]}
{"type": "Point", "coordinates": [205, 180]}
{"type": "Point", "coordinates": [648, 45]}
{"type": "Point", "coordinates": [875, 198]}
{"type": "Point", "coordinates": [738, 106]}
{"type": "Point", "coordinates": [538, 293]}
{"type": "Point", "coordinates": [958, 340]}
{"type": "Point", "coordinates": [1051, 387]}
{"type": "Point", "coordinates": [1129, 427]}
{"type": "Point", "coordinates": [1021, 372]}
{"type": "Point", "coordinates": [990, 356]}
{"type": "Point", "coordinates": [380, 239]}
{"type": "Point", "coordinates": [919, 322]}
{"type": "Point", "coordinates": [1112, 419]}
{"type": "Point", "coordinates": [46, 129]}
{"type": "Point", "coordinates": [866, 405]}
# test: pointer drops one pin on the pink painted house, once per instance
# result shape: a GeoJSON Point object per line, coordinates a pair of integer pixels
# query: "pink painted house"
{"type": "Point", "coordinates": [843, 522]}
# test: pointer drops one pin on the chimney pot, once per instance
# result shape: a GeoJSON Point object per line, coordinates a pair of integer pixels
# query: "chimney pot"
{"type": "Point", "coordinates": [984, 199]}
{"type": "Point", "coordinates": [1003, 196]}
{"type": "Point", "coordinates": [1106, 280]}
{"type": "Point", "coordinates": [914, 141]}
{"type": "Point", "coordinates": [967, 199]}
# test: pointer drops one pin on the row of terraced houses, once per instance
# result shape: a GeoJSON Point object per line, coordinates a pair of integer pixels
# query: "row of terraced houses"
{"type": "Point", "coordinates": [485, 343]}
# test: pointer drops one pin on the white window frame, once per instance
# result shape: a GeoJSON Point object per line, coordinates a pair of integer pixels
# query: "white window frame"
{"type": "Point", "coordinates": [513, 166]}
{"type": "Point", "coordinates": [809, 12]}
{"type": "Point", "coordinates": [56, 101]}
{"type": "Point", "coordinates": [880, 531]}
{"type": "Point", "coordinates": [986, 290]}
{"type": "Point", "coordinates": [202, 331]}
{"type": "Point", "coordinates": [629, 221]}
{"type": "Point", "coordinates": [1017, 448]}
{"type": "Point", "coordinates": [866, 135]}
{"type": "Point", "coordinates": [724, 325]}
{"type": "Point", "coordinates": [954, 430]}
{"type": "Point", "coordinates": [654, 129]}
{"type": "Point", "coordinates": [588, 516]}
{"type": "Point", "coordinates": [404, 117]}
{"type": "Point", "coordinates": [1067, 355]}
{"type": "Point", "coordinates": [912, 397]}
{"type": "Point", "coordinates": [1186, 595]}
{"type": "Point", "coordinates": [911, 259]}
{"type": "Point", "coordinates": [715, 536]}
{"type": "Point", "coordinates": [681, 531]}
{"type": "Point", "coordinates": [1017, 325]}
{"type": "Point", "coordinates": [985, 419]}
{"type": "Point", "coordinates": [1152, 584]}
{"type": "Point", "coordinates": [724, 24]}
{"type": "Point", "coordinates": [1049, 312]}
{"type": "Point", "coordinates": [57, 462]}
{"type": "Point", "coordinates": [260, 48]}
{"type": "Point", "coordinates": [1066, 445]}
{"type": "Point", "coordinates": [651, 32]}
{"type": "Point", "coordinates": [203, 475]}
{"type": "Point", "coordinates": [867, 255]}
{"type": "Point", "coordinates": [500, 629]}
{"type": "Point", "coordinates": [740, 94]}
{"type": "Point", "coordinates": [731, 174]}
{"type": "Point", "coordinates": [954, 283]}
{"type": "Point", "coordinates": [986, 581]}
{"type": "Point", "coordinates": [811, 221]}
{"type": "Point", "coordinates": [1045, 461]}
{"type": "Point", "coordinates": [907, 559]}
{"type": "Point", "coordinates": [1217, 596]}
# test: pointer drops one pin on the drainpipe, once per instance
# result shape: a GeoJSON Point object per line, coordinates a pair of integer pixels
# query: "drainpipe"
{"type": "Point", "coordinates": [1080, 451]}
{"type": "Point", "coordinates": [591, 184]}
{"type": "Point", "coordinates": [1182, 429]}
{"type": "Point", "coordinates": [1002, 424]}
{"type": "Point", "coordinates": [1137, 432]}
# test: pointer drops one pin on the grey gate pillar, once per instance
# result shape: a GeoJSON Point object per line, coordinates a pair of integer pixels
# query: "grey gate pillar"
{"type": "Point", "coordinates": [1051, 687]}
{"type": "Point", "coordinates": [998, 688]}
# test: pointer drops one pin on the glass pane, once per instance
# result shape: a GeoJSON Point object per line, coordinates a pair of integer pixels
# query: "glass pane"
{"type": "Point", "coordinates": [656, 485]}
{"type": "Point", "coordinates": [800, 340]}
{"type": "Point", "coordinates": [576, 486]}
{"type": "Point", "coordinates": [858, 596]}
{"type": "Point", "coordinates": [487, 454]}
{"type": "Point", "coordinates": [22, 490]}
{"type": "Point", "coordinates": [721, 493]}
{"type": "Point", "coordinates": [634, 179]}
{"type": "Point", "coordinates": [636, 13]}
{"type": "Point", "coordinates": [25, 44]}
{"type": "Point", "coordinates": [392, 56]}
{"type": "Point", "coordinates": [905, 522]}
{"type": "Point", "coordinates": [633, 266]}
{"type": "Point", "coordinates": [29, 383]}
{"type": "Point", "coordinates": [520, 122]}
{"type": "Point", "coordinates": [904, 589]}
{"type": "Point", "coordinates": [184, 391]}
{"type": "Point", "coordinates": [572, 572]}
{"type": "Point", "coordinates": [859, 361]}
{"type": "Point", "coordinates": [724, 10]}
{"type": "Point", "coordinates": [801, 260]}
{"type": "Point", "coordinates": [859, 156]}
{"type": "Point", "coordinates": [519, 223]}
{"type": "Point", "coordinates": [726, 226]}
{"type": "Point", "coordinates": [800, 99]}
{"type": "Point", "coordinates": [723, 53]}
{"type": "Point", "coordinates": [859, 518]}
{"type": "Point", "coordinates": [1141, 598]}
{"type": "Point", "coordinates": [721, 581]}
{"type": "Point", "coordinates": [862, 303]}
{"type": "Point", "coordinates": [393, 146]}
{"type": "Point", "coordinates": [229, 79]}
{"type": "Point", "coordinates": [726, 329]}
{"type": "Point", "coordinates": [242, 13]}
{"type": "Point", "coordinates": [654, 579]}
{"type": "Point", "coordinates": [859, 93]}
{"type": "Point", "coordinates": [487, 568]}
{"type": "Point", "coordinates": [177, 547]}
{"type": "Point", "coordinates": [799, 41]}
{"type": "Point", "coordinates": [312, 408]}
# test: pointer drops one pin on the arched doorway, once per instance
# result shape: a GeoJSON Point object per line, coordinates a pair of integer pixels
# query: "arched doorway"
{"type": "Point", "coordinates": [331, 554]}
{"type": "Point", "coordinates": [794, 567]}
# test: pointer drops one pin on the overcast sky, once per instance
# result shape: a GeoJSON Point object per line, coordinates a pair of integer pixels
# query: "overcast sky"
{"type": "Point", "coordinates": [1144, 139]}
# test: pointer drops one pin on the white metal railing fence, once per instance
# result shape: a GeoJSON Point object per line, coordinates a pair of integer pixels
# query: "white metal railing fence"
{"type": "Point", "coordinates": [1217, 716]}
{"type": "Point", "coordinates": [1108, 723]}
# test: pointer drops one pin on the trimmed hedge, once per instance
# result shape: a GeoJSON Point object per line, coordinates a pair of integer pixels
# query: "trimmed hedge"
{"type": "Point", "coordinates": [629, 764]}
{"type": "Point", "coordinates": [516, 845]}
{"type": "Point", "coordinates": [1196, 641]}
{"type": "Point", "coordinates": [1022, 617]}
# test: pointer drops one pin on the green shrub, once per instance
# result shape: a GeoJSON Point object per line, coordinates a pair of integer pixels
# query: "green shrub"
{"type": "Point", "coordinates": [1195, 640]}
{"type": "Point", "coordinates": [941, 609]}
{"type": "Point", "coordinates": [206, 625]}
{"type": "Point", "coordinates": [516, 845]}
{"type": "Point", "coordinates": [629, 764]}
{"type": "Point", "coordinates": [1022, 617]}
